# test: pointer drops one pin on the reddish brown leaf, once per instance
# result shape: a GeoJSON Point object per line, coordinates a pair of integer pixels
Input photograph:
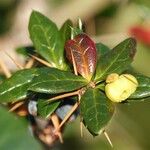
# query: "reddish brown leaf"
{"type": "Point", "coordinates": [83, 50]}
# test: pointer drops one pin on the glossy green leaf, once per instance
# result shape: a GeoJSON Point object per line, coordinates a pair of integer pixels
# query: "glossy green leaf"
{"type": "Point", "coordinates": [117, 60]}
{"type": "Point", "coordinates": [47, 40]}
{"type": "Point", "coordinates": [15, 134]}
{"type": "Point", "coordinates": [96, 110]}
{"type": "Point", "coordinates": [53, 81]}
{"type": "Point", "coordinates": [143, 90]}
{"type": "Point", "coordinates": [15, 88]}
{"type": "Point", "coordinates": [46, 109]}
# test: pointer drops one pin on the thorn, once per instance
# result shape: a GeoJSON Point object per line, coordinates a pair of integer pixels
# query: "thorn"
{"type": "Point", "coordinates": [17, 105]}
{"type": "Point", "coordinates": [81, 126]}
{"type": "Point", "coordinates": [81, 41]}
{"type": "Point", "coordinates": [108, 139]}
{"type": "Point", "coordinates": [63, 96]}
{"type": "Point", "coordinates": [30, 63]}
{"type": "Point", "coordinates": [74, 64]}
{"type": "Point", "coordinates": [5, 69]}
{"type": "Point", "coordinates": [72, 34]}
{"type": "Point", "coordinates": [68, 116]}
{"type": "Point", "coordinates": [41, 61]}
{"type": "Point", "coordinates": [80, 23]}
{"type": "Point", "coordinates": [86, 50]}
{"type": "Point", "coordinates": [15, 62]}
{"type": "Point", "coordinates": [55, 122]}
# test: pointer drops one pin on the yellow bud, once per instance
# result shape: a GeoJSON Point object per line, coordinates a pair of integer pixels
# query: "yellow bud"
{"type": "Point", "coordinates": [121, 87]}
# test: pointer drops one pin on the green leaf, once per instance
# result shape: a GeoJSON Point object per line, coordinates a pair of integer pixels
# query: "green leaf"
{"type": "Point", "coordinates": [54, 81]}
{"type": "Point", "coordinates": [15, 88]}
{"type": "Point", "coordinates": [47, 40]}
{"type": "Point", "coordinates": [25, 51]}
{"type": "Point", "coordinates": [46, 109]}
{"type": "Point", "coordinates": [143, 89]}
{"type": "Point", "coordinates": [117, 60]}
{"type": "Point", "coordinates": [96, 110]}
{"type": "Point", "coordinates": [15, 134]}
{"type": "Point", "coordinates": [101, 49]}
{"type": "Point", "coordinates": [65, 31]}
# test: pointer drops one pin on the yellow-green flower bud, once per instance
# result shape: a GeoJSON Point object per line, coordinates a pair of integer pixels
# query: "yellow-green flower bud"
{"type": "Point", "coordinates": [119, 88]}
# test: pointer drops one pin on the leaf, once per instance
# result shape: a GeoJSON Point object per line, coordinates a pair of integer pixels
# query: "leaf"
{"type": "Point", "coordinates": [15, 88]}
{"type": "Point", "coordinates": [96, 110]}
{"type": "Point", "coordinates": [45, 109]}
{"type": "Point", "coordinates": [101, 49]}
{"type": "Point", "coordinates": [117, 60]}
{"type": "Point", "coordinates": [15, 134]}
{"type": "Point", "coordinates": [25, 51]}
{"type": "Point", "coordinates": [143, 89]}
{"type": "Point", "coordinates": [65, 31]}
{"type": "Point", "coordinates": [47, 40]}
{"type": "Point", "coordinates": [54, 81]}
{"type": "Point", "coordinates": [84, 53]}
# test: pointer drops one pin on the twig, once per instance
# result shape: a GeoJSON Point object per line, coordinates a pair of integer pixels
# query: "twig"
{"type": "Point", "coordinates": [63, 96]}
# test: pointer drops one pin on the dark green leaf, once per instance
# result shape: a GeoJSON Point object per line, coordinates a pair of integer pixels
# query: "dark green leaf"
{"type": "Point", "coordinates": [46, 109]}
{"type": "Point", "coordinates": [53, 81]}
{"type": "Point", "coordinates": [15, 88]}
{"type": "Point", "coordinates": [26, 51]}
{"type": "Point", "coordinates": [117, 60]}
{"type": "Point", "coordinates": [101, 49]}
{"type": "Point", "coordinates": [96, 110]}
{"type": "Point", "coordinates": [143, 89]}
{"type": "Point", "coordinates": [47, 40]}
{"type": "Point", "coordinates": [15, 134]}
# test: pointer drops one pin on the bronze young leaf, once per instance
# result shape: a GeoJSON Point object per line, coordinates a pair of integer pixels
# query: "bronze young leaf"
{"type": "Point", "coordinates": [83, 50]}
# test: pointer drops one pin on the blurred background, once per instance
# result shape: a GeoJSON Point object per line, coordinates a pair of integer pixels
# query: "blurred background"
{"type": "Point", "coordinates": [106, 21]}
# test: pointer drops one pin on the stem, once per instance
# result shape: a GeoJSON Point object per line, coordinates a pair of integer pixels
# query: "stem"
{"type": "Point", "coordinates": [63, 96]}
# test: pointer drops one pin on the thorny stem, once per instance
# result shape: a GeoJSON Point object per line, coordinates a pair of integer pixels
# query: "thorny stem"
{"type": "Point", "coordinates": [64, 96]}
